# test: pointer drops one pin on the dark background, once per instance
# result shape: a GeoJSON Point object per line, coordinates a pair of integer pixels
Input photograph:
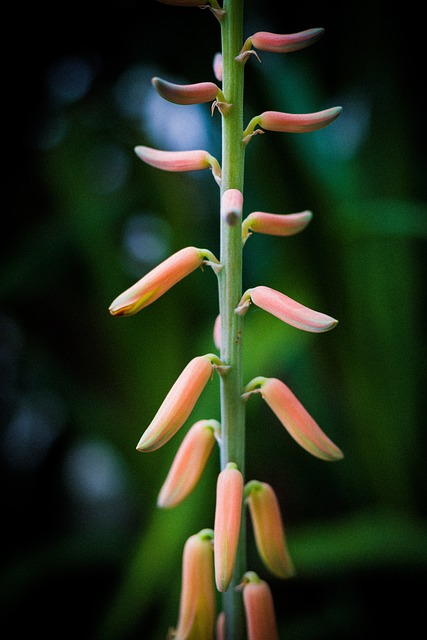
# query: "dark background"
{"type": "Point", "coordinates": [85, 551]}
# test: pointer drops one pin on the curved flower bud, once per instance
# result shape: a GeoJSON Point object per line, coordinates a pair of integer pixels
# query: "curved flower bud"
{"type": "Point", "coordinates": [231, 206]}
{"type": "Point", "coordinates": [291, 122]}
{"type": "Point", "coordinates": [217, 66]}
{"type": "Point", "coordinates": [197, 603]}
{"type": "Point", "coordinates": [294, 417]}
{"type": "Point", "coordinates": [259, 608]}
{"type": "Point", "coordinates": [189, 463]}
{"type": "Point", "coordinates": [275, 224]}
{"type": "Point", "coordinates": [279, 43]}
{"type": "Point", "coordinates": [228, 512]}
{"type": "Point", "coordinates": [268, 528]}
{"type": "Point", "coordinates": [179, 160]}
{"type": "Point", "coordinates": [179, 403]}
{"type": "Point", "coordinates": [186, 93]}
{"type": "Point", "coordinates": [160, 279]}
{"type": "Point", "coordinates": [286, 309]}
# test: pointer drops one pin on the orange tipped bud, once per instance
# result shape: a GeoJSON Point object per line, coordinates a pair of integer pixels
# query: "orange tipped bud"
{"type": "Point", "coordinates": [285, 43]}
{"type": "Point", "coordinates": [268, 528]}
{"type": "Point", "coordinates": [294, 417]}
{"type": "Point", "coordinates": [232, 206]}
{"type": "Point", "coordinates": [185, 93]}
{"type": "Point", "coordinates": [178, 404]}
{"type": "Point", "coordinates": [155, 283]}
{"type": "Point", "coordinates": [259, 608]}
{"type": "Point", "coordinates": [179, 160]}
{"type": "Point", "coordinates": [286, 309]}
{"type": "Point", "coordinates": [228, 513]}
{"type": "Point", "coordinates": [197, 604]}
{"type": "Point", "coordinates": [189, 463]}
{"type": "Point", "coordinates": [275, 224]}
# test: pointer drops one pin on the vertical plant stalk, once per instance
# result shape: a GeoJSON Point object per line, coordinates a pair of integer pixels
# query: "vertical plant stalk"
{"type": "Point", "coordinates": [230, 288]}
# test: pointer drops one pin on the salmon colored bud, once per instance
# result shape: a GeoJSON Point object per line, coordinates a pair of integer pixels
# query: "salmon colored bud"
{"type": "Point", "coordinates": [197, 603]}
{"type": "Point", "coordinates": [275, 224]}
{"type": "Point", "coordinates": [259, 608]}
{"type": "Point", "coordinates": [178, 404]}
{"type": "Point", "coordinates": [179, 160]}
{"type": "Point", "coordinates": [286, 309]}
{"type": "Point", "coordinates": [220, 626]}
{"type": "Point", "coordinates": [294, 417]}
{"type": "Point", "coordinates": [189, 463]}
{"type": "Point", "coordinates": [217, 332]}
{"type": "Point", "coordinates": [231, 206]}
{"type": "Point", "coordinates": [268, 528]}
{"type": "Point", "coordinates": [298, 122]}
{"type": "Point", "coordinates": [160, 279]}
{"type": "Point", "coordinates": [186, 93]}
{"type": "Point", "coordinates": [228, 513]}
{"type": "Point", "coordinates": [217, 66]}
{"type": "Point", "coordinates": [285, 43]}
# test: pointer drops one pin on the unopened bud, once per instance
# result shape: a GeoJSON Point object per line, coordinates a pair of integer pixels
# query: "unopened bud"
{"type": "Point", "coordinates": [186, 93]}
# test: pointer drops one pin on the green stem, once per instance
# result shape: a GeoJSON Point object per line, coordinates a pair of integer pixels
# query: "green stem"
{"type": "Point", "coordinates": [230, 289]}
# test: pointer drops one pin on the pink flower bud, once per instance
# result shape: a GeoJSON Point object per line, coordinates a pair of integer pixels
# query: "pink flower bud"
{"type": "Point", "coordinates": [220, 626]}
{"type": "Point", "coordinates": [160, 279]}
{"type": "Point", "coordinates": [197, 603]}
{"type": "Point", "coordinates": [294, 417]}
{"type": "Point", "coordinates": [259, 608]}
{"type": "Point", "coordinates": [179, 160]}
{"type": "Point", "coordinates": [186, 93]}
{"type": "Point", "coordinates": [275, 224]}
{"type": "Point", "coordinates": [298, 122]}
{"type": "Point", "coordinates": [286, 309]}
{"type": "Point", "coordinates": [189, 463]}
{"type": "Point", "coordinates": [268, 528]}
{"type": "Point", "coordinates": [217, 332]}
{"type": "Point", "coordinates": [285, 43]}
{"type": "Point", "coordinates": [217, 66]}
{"type": "Point", "coordinates": [231, 206]}
{"type": "Point", "coordinates": [178, 404]}
{"type": "Point", "coordinates": [228, 512]}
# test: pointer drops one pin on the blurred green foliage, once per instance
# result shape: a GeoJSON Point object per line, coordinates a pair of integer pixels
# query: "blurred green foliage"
{"type": "Point", "coordinates": [85, 548]}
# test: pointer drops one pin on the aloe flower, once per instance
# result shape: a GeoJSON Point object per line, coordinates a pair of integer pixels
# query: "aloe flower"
{"type": "Point", "coordinates": [228, 512]}
{"type": "Point", "coordinates": [160, 279]}
{"type": "Point", "coordinates": [189, 463]}
{"type": "Point", "coordinates": [286, 309]}
{"type": "Point", "coordinates": [279, 43]}
{"type": "Point", "coordinates": [193, 160]}
{"type": "Point", "coordinates": [275, 224]}
{"type": "Point", "coordinates": [186, 93]}
{"type": "Point", "coordinates": [294, 417]}
{"type": "Point", "coordinates": [179, 403]}
{"type": "Point", "coordinates": [268, 528]}
{"type": "Point", "coordinates": [197, 604]}
{"type": "Point", "coordinates": [291, 122]}
{"type": "Point", "coordinates": [231, 206]}
{"type": "Point", "coordinates": [259, 608]}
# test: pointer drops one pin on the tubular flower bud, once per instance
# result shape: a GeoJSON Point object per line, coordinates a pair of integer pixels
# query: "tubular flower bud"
{"type": "Point", "coordinates": [197, 603]}
{"type": "Point", "coordinates": [160, 279]}
{"type": "Point", "coordinates": [189, 463]}
{"type": "Point", "coordinates": [231, 206]}
{"type": "Point", "coordinates": [294, 417]}
{"type": "Point", "coordinates": [259, 608]}
{"type": "Point", "coordinates": [228, 513]}
{"type": "Point", "coordinates": [220, 626]}
{"type": "Point", "coordinates": [178, 404]}
{"type": "Point", "coordinates": [217, 66]}
{"type": "Point", "coordinates": [275, 224]}
{"type": "Point", "coordinates": [268, 528]}
{"type": "Point", "coordinates": [286, 309]}
{"type": "Point", "coordinates": [186, 93]}
{"type": "Point", "coordinates": [279, 43]}
{"type": "Point", "coordinates": [291, 122]}
{"type": "Point", "coordinates": [179, 160]}
{"type": "Point", "coordinates": [217, 332]}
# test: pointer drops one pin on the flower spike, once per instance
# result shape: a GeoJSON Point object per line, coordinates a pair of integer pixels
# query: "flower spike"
{"type": "Point", "coordinates": [189, 463]}
{"type": "Point", "coordinates": [197, 604]}
{"type": "Point", "coordinates": [179, 160]}
{"type": "Point", "coordinates": [160, 279]}
{"type": "Point", "coordinates": [291, 122]}
{"type": "Point", "coordinates": [259, 608]}
{"type": "Point", "coordinates": [279, 43]}
{"type": "Point", "coordinates": [275, 224]}
{"type": "Point", "coordinates": [286, 309]}
{"type": "Point", "coordinates": [268, 528]}
{"type": "Point", "coordinates": [228, 512]}
{"type": "Point", "coordinates": [179, 403]}
{"type": "Point", "coordinates": [294, 417]}
{"type": "Point", "coordinates": [186, 93]}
